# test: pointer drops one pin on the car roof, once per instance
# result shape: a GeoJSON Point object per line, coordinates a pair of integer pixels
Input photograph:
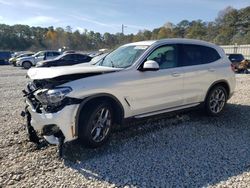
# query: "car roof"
{"type": "Point", "coordinates": [142, 43]}
{"type": "Point", "coordinates": [49, 51]}
{"type": "Point", "coordinates": [234, 54]}
{"type": "Point", "coordinates": [172, 40]}
{"type": "Point", "coordinates": [77, 53]}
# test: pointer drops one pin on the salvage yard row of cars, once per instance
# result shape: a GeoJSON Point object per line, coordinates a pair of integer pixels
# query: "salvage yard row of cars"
{"type": "Point", "coordinates": [45, 58]}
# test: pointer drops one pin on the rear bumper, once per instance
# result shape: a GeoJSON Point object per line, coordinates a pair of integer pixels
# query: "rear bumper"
{"type": "Point", "coordinates": [64, 119]}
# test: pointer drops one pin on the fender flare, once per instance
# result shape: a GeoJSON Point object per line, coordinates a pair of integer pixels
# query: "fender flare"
{"type": "Point", "coordinates": [219, 82]}
{"type": "Point", "coordinates": [89, 98]}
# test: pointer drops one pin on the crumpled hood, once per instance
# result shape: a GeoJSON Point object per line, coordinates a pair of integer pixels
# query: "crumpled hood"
{"type": "Point", "coordinates": [53, 72]}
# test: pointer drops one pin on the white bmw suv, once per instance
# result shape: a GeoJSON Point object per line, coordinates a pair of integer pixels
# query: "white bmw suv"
{"type": "Point", "coordinates": [136, 80]}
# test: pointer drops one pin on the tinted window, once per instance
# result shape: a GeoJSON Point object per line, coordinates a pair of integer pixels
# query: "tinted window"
{"type": "Point", "coordinates": [80, 57]}
{"type": "Point", "coordinates": [68, 57]}
{"type": "Point", "coordinates": [196, 54]}
{"type": "Point", "coordinates": [49, 54]}
{"type": "Point", "coordinates": [52, 54]}
{"type": "Point", "coordinates": [165, 56]}
{"type": "Point", "coordinates": [56, 53]}
{"type": "Point", "coordinates": [236, 57]}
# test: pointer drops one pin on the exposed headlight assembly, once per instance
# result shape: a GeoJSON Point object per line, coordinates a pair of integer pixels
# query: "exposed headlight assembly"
{"type": "Point", "coordinates": [52, 96]}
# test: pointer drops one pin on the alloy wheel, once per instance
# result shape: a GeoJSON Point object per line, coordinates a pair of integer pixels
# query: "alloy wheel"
{"type": "Point", "coordinates": [217, 100]}
{"type": "Point", "coordinates": [101, 125]}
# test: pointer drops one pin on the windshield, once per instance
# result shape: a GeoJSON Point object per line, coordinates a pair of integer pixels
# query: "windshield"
{"type": "Point", "coordinates": [236, 57]}
{"type": "Point", "coordinates": [95, 59]}
{"type": "Point", "coordinates": [123, 57]}
{"type": "Point", "coordinates": [41, 53]}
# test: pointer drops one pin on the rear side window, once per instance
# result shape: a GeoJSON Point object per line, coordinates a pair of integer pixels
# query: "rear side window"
{"type": "Point", "coordinates": [196, 54]}
{"type": "Point", "coordinates": [80, 57]}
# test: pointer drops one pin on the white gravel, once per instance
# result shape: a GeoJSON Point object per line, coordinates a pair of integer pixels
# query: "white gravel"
{"type": "Point", "coordinates": [188, 150]}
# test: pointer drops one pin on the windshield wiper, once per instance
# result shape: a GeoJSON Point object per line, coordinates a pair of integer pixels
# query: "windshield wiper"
{"type": "Point", "coordinates": [112, 63]}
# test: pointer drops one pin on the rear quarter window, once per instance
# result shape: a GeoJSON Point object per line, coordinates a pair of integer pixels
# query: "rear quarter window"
{"type": "Point", "coordinates": [196, 55]}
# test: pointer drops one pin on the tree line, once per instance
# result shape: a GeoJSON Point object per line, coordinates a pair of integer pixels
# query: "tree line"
{"type": "Point", "coordinates": [231, 26]}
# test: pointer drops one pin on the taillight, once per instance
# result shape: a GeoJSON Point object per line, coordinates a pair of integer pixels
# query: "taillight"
{"type": "Point", "coordinates": [233, 67]}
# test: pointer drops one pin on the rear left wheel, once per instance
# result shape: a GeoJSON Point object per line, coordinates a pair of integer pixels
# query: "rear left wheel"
{"type": "Point", "coordinates": [95, 125]}
{"type": "Point", "coordinates": [216, 100]}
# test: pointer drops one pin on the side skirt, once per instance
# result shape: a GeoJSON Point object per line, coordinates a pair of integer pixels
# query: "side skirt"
{"type": "Point", "coordinates": [165, 110]}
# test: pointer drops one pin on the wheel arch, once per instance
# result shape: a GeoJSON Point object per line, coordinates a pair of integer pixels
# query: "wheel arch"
{"type": "Point", "coordinates": [27, 62]}
{"type": "Point", "coordinates": [94, 99]}
{"type": "Point", "coordinates": [223, 83]}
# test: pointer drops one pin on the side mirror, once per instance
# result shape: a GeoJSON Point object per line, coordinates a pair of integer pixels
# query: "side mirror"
{"type": "Point", "coordinates": [150, 65]}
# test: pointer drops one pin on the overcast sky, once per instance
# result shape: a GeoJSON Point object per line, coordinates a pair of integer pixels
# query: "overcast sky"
{"type": "Point", "coordinates": [108, 15]}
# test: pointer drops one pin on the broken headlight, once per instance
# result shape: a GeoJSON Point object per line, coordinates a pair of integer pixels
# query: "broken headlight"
{"type": "Point", "coordinates": [52, 96]}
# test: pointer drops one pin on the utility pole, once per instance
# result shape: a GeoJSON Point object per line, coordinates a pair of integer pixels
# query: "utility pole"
{"type": "Point", "coordinates": [123, 27]}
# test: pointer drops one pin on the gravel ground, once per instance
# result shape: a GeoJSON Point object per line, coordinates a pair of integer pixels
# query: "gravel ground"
{"type": "Point", "coordinates": [185, 150]}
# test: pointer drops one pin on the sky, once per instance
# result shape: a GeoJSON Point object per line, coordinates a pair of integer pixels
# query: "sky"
{"type": "Point", "coordinates": [108, 15]}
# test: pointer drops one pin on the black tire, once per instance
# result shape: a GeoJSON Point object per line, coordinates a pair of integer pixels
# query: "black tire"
{"type": "Point", "coordinates": [246, 71]}
{"type": "Point", "coordinates": [215, 105]}
{"type": "Point", "coordinates": [27, 65]}
{"type": "Point", "coordinates": [86, 125]}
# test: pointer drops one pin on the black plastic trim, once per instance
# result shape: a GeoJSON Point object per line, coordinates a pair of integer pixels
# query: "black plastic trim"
{"type": "Point", "coordinates": [85, 100]}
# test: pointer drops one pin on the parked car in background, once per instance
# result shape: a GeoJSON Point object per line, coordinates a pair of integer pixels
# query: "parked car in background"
{"type": "Point", "coordinates": [4, 57]}
{"type": "Point", "coordinates": [65, 60]}
{"type": "Point", "coordinates": [12, 60]}
{"type": "Point", "coordinates": [27, 62]}
{"type": "Point", "coordinates": [15, 54]}
{"type": "Point", "coordinates": [239, 63]}
{"type": "Point", "coordinates": [135, 81]}
{"type": "Point", "coordinates": [95, 59]}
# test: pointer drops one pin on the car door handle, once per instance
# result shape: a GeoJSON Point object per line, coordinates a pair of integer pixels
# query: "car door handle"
{"type": "Point", "coordinates": [176, 74]}
{"type": "Point", "coordinates": [211, 70]}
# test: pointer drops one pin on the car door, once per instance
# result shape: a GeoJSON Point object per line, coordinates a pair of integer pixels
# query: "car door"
{"type": "Point", "coordinates": [199, 71]}
{"type": "Point", "coordinates": [65, 60]}
{"type": "Point", "coordinates": [82, 58]}
{"type": "Point", "coordinates": [40, 57]}
{"type": "Point", "coordinates": [152, 91]}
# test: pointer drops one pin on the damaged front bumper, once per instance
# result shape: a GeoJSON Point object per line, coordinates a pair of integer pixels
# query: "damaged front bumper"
{"type": "Point", "coordinates": [49, 124]}
{"type": "Point", "coordinates": [56, 123]}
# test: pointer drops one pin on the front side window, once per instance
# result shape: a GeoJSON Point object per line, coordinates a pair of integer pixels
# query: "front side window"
{"type": "Point", "coordinates": [165, 56]}
{"type": "Point", "coordinates": [196, 54]}
{"type": "Point", "coordinates": [49, 54]}
{"type": "Point", "coordinates": [123, 57]}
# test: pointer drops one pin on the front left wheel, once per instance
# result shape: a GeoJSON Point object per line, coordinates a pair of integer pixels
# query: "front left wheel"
{"type": "Point", "coordinates": [95, 124]}
{"type": "Point", "coordinates": [27, 65]}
